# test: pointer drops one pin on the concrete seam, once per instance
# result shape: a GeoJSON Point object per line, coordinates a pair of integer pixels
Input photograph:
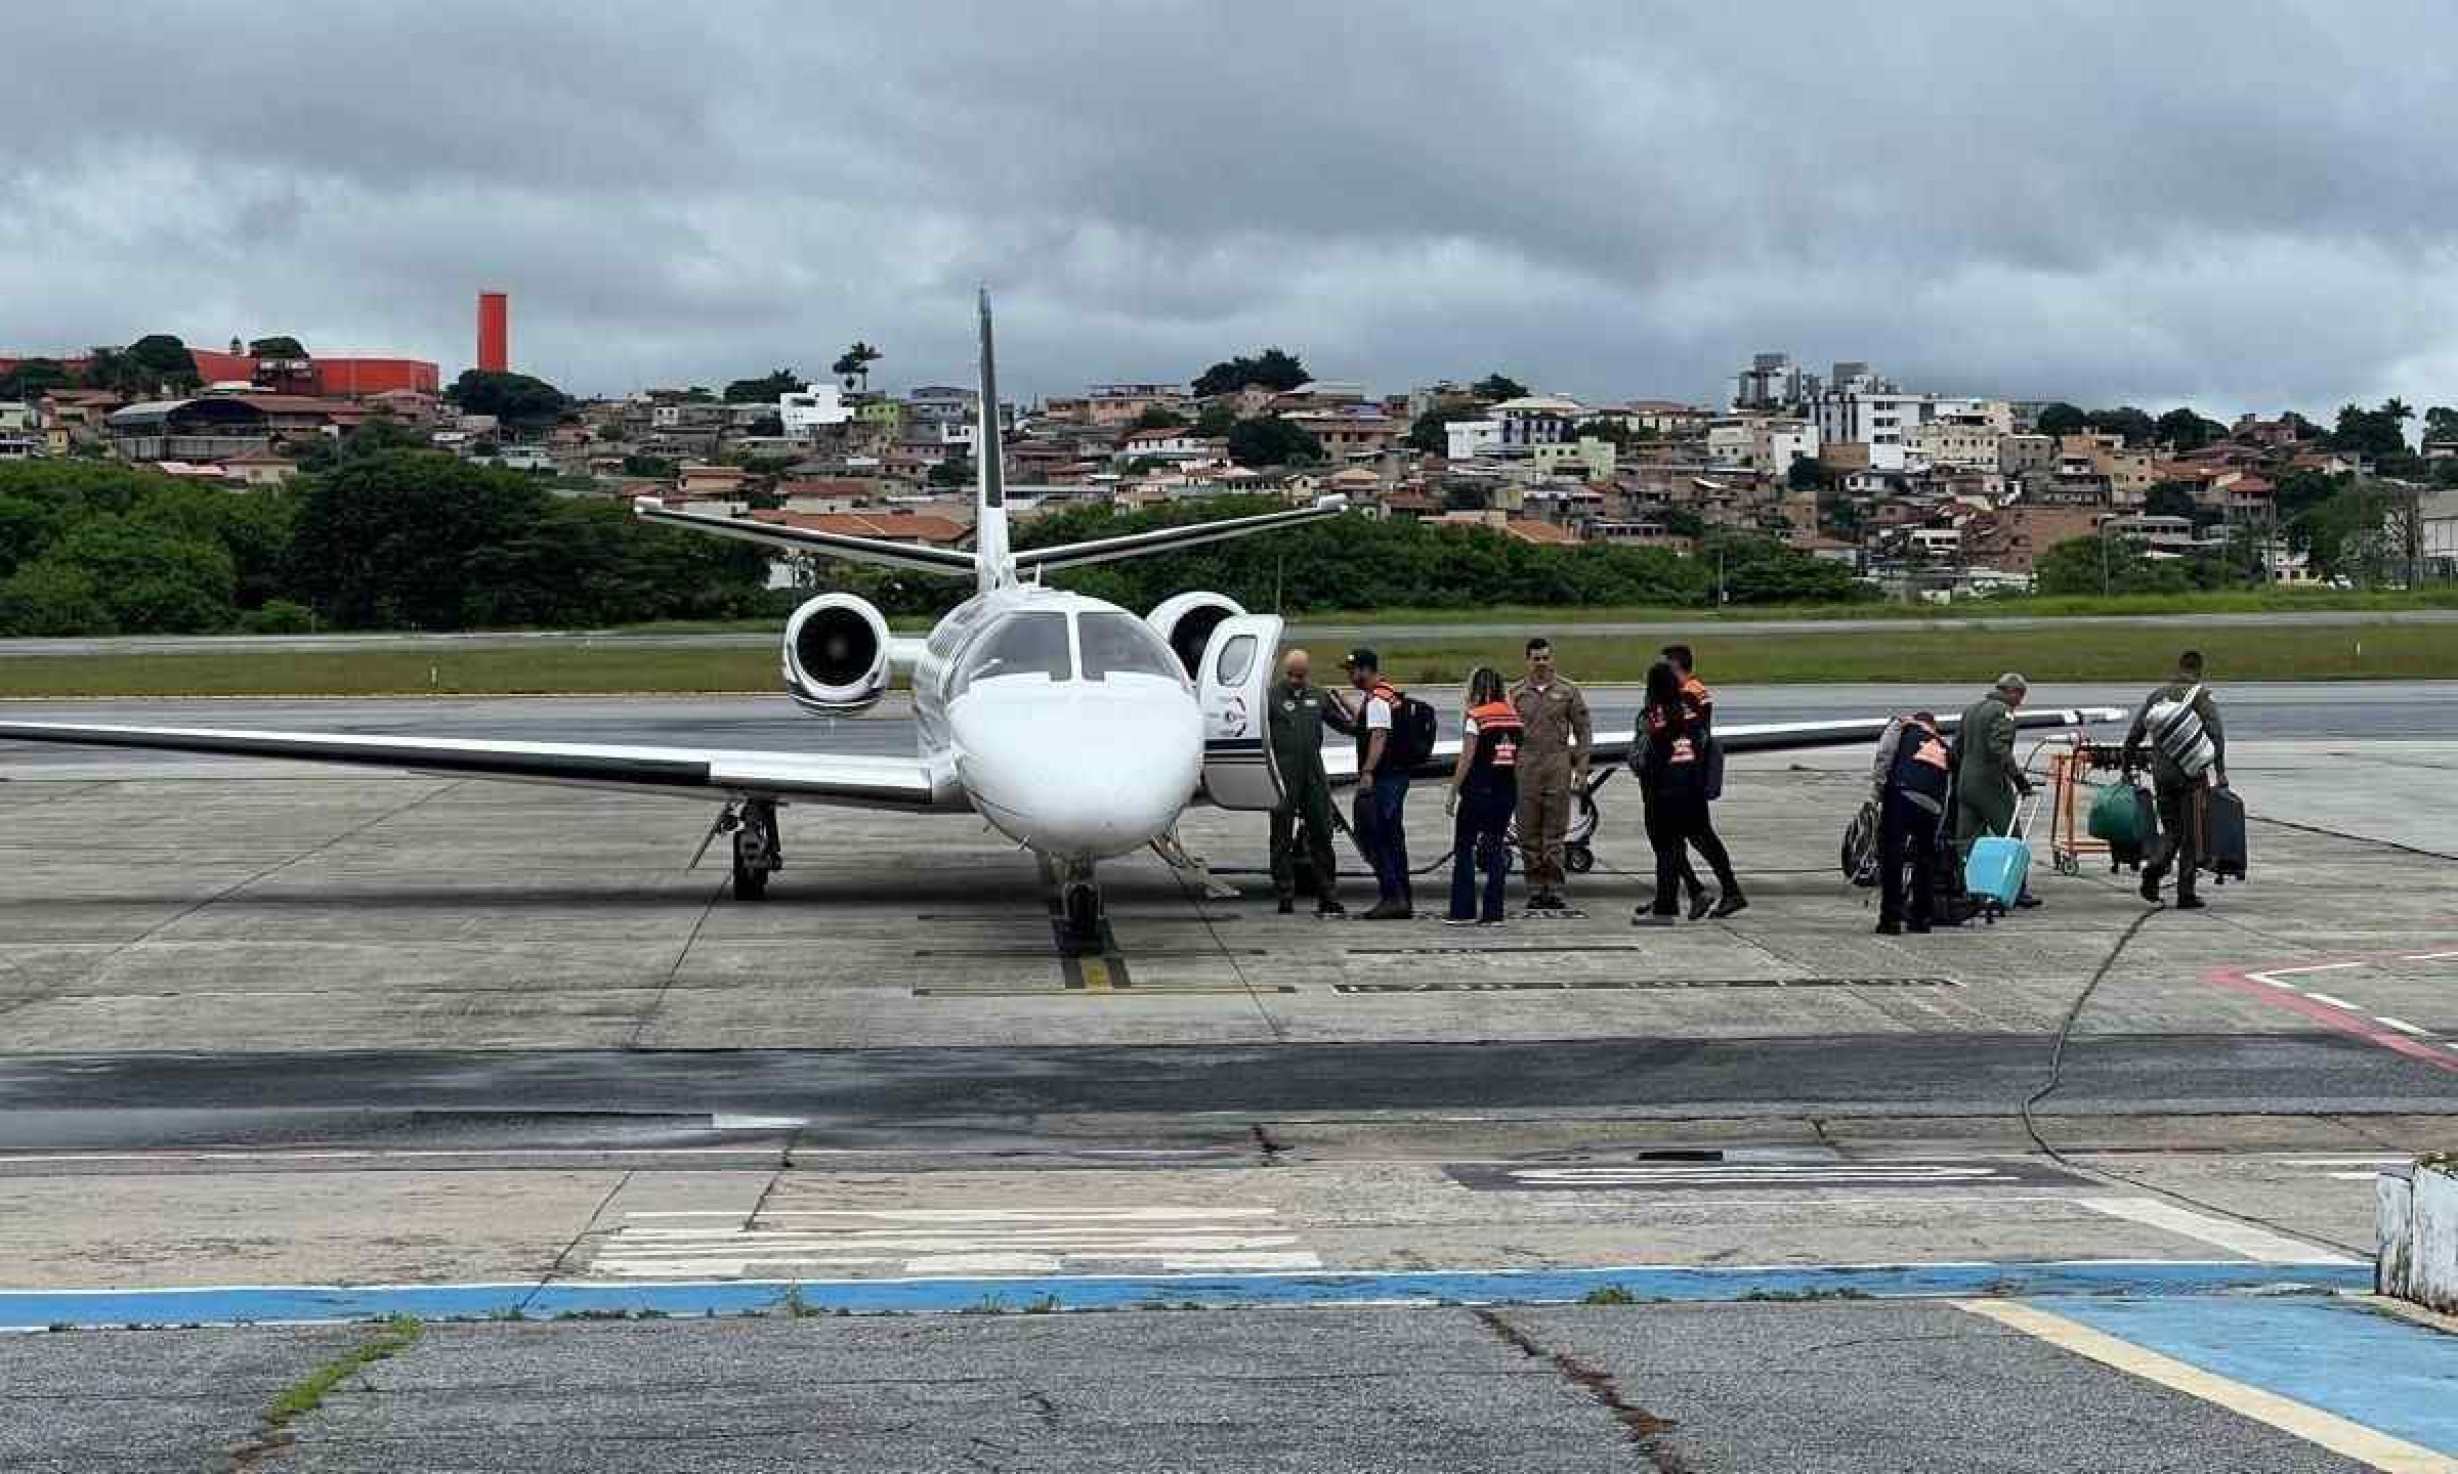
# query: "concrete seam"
{"type": "Point", "coordinates": [1644, 1429]}
{"type": "Point", "coordinates": [640, 1026]}
{"type": "Point", "coordinates": [556, 1268]}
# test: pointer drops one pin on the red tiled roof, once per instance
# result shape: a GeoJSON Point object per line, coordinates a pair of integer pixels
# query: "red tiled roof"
{"type": "Point", "coordinates": [1539, 532]}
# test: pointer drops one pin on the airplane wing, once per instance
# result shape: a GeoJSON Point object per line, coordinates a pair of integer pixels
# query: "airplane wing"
{"type": "Point", "coordinates": [1340, 760]}
{"type": "Point", "coordinates": [841, 780]}
{"type": "Point", "coordinates": [914, 557]}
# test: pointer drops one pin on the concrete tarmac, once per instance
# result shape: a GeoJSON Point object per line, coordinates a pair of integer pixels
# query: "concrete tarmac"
{"type": "Point", "coordinates": [267, 1026]}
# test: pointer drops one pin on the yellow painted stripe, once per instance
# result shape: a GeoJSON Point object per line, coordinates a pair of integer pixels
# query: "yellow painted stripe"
{"type": "Point", "coordinates": [2337, 1434]}
{"type": "Point", "coordinates": [1096, 974]}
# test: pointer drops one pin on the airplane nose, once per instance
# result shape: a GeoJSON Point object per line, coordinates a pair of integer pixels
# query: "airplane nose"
{"type": "Point", "coordinates": [1080, 773]}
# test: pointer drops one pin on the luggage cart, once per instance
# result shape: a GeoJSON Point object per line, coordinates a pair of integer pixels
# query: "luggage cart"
{"type": "Point", "coordinates": [2071, 760]}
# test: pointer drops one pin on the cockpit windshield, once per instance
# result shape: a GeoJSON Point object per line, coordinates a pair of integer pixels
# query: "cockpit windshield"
{"type": "Point", "coordinates": [1033, 644]}
{"type": "Point", "coordinates": [1115, 644]}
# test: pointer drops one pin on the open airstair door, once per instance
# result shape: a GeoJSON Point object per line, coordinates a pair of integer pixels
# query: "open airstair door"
{"type": "Point", "coordinates": [1232, 684]}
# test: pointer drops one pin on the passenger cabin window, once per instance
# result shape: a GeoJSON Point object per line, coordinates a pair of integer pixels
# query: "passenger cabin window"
{"type": "Point", "coordinates": [1122, 644]}
{"type": "Point", "coordinates": [1023, 645]}
{"type": "Point", "coordinates": [1236, 659]}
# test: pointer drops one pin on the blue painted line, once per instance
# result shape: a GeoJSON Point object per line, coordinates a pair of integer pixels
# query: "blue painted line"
{"type": "Point", "coordinates": [37, 1309]}
{"type": "Point", "coordinates": [2365, 1365]}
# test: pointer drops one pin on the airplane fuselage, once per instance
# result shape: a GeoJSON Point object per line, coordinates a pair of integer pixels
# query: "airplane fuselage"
{"type": "Point", "coordinates": [1061, 719]}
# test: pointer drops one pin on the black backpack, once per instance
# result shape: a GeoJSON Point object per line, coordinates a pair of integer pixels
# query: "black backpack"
{"type": "Point", "coordinates": [1412, 732]}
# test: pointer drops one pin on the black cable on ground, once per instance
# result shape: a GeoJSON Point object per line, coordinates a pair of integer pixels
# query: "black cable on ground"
{"type": "Point", "coordinates": [2056, 1073]}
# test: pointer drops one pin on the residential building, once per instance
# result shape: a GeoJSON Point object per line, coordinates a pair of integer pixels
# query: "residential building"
{"type": "Point", "coordinates": [1772, 382]}
{"type": "Point", "coordinates": [1957, 444]}
{"type": "Point", "coordinates": [815, 406]}
{"type": "Point", "coordinates": [256, 468]}
{"type": "Point", "coordinates": [1665, 417]}
{"type": "Point", "coordinates": [1468, 439]}
{"type": "Point", "coordinates": [2439, 516]}
{"type": "Point", "coordinates": [1536, 419]}
{"type": "Point", "coordinates": [2023, 455]}
{"type": "Point", "coordinates": [1859, 406]}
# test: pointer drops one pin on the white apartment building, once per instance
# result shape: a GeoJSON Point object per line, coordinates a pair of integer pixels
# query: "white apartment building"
{"type": "Point", "coordinates": [818, 404]}
{"type": "Point", "coordinates": [1465, 440]}
{"type": "Point", "coordinates": [1760, 443]}
{"type": "Point", "coordinates": [1860, 406]}
{"type": "Point", "coordinates": [1957, 444]}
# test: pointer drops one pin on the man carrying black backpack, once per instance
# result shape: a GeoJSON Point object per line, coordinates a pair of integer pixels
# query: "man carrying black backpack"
{"type": "Point", "coordinates": [1394, 733]}
{"type": "Point", "coordinates": [2189, 749]}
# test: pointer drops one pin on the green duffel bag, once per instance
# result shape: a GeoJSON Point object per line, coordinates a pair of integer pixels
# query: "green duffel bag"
{"type": "Point", "coordinates": [2116, 817]}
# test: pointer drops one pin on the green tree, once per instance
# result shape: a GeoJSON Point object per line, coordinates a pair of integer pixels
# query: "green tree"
{"type": "Point", "coordinates": [664, 468]}
{"type": "Point", "coordinates": [2373, 432]}
{"type": "Point", "coordinates": [2441, 423]}
{"type": "Point", "coordinates": [2136, 426]}
{"type": "Point", "coordinates": [1216, 421]}
{"type": "Point", "coordinates": [1269, 440]}
{"type": "Point", "coordinates": [51, 599]}
{"type": "Point", "coordinates": [146, 579]}
{"type": "Point", "coordinates": [279, 346]}
{"type": "Point", "coordinates": [763, 390]}
{"type": "Point", "coordinates": [2172, 499]}
{"type": "Point", "coordinates": [2061, 418]}
{"type": "Point", "coordinates": [2186, 431]}
{"type": "Point", "coordinates": [518, 400]}
{"type": "Point", "coordinates": [1273, 369]}
{"type": "Point", "coordinates": [855, 363]}
{"type": "Point", "coordinates": [1426, 432]}
{"type": "Point", "coordinates": [1805, 474]}
{"type": "Point", "coordinates": [1159, 417]}
{"type": "Point", "coordinates": [1605, 428]}
{"type": "Point", "coordinates": [1494, 388]}
{"type": "Point", "coordinates": [33, 378]}
{"type": "Point", "coordinates": [2115, 565]}
{"type": "Point", "coordinates": [952, 471]}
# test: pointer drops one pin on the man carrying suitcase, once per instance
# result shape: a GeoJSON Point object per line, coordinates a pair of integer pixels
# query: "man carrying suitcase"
{"type": "Point", "coordinates": [2180, 724]}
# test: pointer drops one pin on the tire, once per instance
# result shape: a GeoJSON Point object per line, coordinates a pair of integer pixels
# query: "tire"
{"type": "Point", "coordinates": [1578, 859]}
{"type": "Point", "coordinates": [1083, 912]}
{"type": "Point", "coordinates": [750, 884]}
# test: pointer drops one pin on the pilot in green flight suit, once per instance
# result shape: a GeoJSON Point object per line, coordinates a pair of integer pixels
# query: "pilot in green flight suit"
{"type": "Point", "coordinates": [1296, 726]}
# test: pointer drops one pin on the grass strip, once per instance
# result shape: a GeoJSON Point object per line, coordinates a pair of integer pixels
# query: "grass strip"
{"type": "Point", "coordinates": [2077, 651]}
{"type": "Point", "coordinates": [389, 1338]}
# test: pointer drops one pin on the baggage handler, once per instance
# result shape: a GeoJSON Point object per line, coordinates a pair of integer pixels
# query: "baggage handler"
{"type": "Point", "coordinates": [2181, 766]}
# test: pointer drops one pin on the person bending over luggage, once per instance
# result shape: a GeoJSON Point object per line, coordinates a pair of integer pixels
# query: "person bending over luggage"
{"type": "Point", "coordinates": [2189, 749]}
{"type": "Point", "coordinates": [1484, 792]}
{"type": "Point", "coordinates": [1908, 782]}
{"type": "Point", "coordinates": [1672, 768]}
{"type": "Point", "coordinates": [1988, 780]}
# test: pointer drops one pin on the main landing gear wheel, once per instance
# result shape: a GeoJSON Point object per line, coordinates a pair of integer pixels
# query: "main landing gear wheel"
{"type": "Point", "coordinates": [756, 853]}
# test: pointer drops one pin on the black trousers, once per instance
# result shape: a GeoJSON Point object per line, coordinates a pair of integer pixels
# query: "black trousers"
{"type": "Point", "coordinates": [2180, 838]}
{"type": "Point", "coordinates": [1907, 833]}
{"type": "Point", "coordinates": [1309, 803]}
{"type": "Point", "coordinates": [1677, 823]}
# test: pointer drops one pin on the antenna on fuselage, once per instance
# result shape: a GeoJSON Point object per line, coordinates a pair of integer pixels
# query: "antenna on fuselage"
{"type": "Point", "coordinates": [990, 552]}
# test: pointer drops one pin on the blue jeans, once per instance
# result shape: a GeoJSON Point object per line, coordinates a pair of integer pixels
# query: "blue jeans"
{"type": "Point", "coordinates": [1388, 844]}
{"type": "Point", "coordinates": [1477, 844]}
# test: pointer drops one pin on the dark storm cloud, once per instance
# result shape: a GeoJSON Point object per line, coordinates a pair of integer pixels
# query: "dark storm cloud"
{"type": "Point", "coordinates": [2241, 204]}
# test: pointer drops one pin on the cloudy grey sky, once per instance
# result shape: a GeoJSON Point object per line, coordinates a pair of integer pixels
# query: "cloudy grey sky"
{"type": "Point", "coordinates": [2245, 203]}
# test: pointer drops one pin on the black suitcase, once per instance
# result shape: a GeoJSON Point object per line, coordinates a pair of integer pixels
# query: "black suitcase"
{"type": "Point", "coordinates": [2223, 835]}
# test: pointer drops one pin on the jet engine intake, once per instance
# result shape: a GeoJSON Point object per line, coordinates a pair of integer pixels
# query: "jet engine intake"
{"type": "Point", "coordinates": [1186, 622]}
{"type": "Point", "coordinates": [835, 660]}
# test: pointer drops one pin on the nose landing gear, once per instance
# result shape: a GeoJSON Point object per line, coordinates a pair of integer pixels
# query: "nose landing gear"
{"type": "Point", "coordinates": [1081, 924]}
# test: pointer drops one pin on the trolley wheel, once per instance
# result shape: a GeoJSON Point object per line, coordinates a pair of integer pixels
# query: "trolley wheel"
{"type": "Point", "coordinates": [1578, 859]}
{"type": "Point", "coordinates": [2068, 865]}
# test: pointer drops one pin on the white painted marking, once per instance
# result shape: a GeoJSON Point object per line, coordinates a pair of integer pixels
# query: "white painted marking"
{"type": "Point", "coordinates": [756, 1123]}
{"type": "Point", "coordinates": [2330, 1431]}
{"type": "Point", "coordinates": [2257, 1244]}
{"type": "Point", "coordinates": [979, 1215]}
{"type": "Point", "coordinates": [2263, 977]}
{"type": "Point", "coordinates": [2289, 972]}
{"type": "Point", "coordinates": [2333, 1002]}
{"type": "Point", "coordinates": [703, 1243]}
{"type": "Point", "coordinates": [2402, 1026]}
{"type": "Point", "coordinates": [2430, 956]}
{"type": "Point", "coordinates": [1793, 1174]}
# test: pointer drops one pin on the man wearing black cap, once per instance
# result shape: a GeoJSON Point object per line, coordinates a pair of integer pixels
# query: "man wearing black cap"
{"type": "Point", "coordinates": [1382, 787]}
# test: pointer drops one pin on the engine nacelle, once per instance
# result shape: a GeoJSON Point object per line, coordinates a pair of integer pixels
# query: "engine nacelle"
{"type": "Point", "coordinates": [836, 655]}
{"type": "Point", "coordinates": [1186, 622]}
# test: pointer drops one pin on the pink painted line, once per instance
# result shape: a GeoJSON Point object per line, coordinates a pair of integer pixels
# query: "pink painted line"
{"type": "Point", "coordinates": [2337, 1019]}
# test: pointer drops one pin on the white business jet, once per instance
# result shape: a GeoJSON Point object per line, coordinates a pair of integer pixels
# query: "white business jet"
{"type": "Point", "coordinates": [1075, 728]}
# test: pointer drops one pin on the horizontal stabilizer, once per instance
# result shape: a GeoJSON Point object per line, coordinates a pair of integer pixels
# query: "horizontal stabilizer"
{"type": "Point", "coordinates": [911, 556]}
{"type": "Point", "coordinates": [1171, 539]}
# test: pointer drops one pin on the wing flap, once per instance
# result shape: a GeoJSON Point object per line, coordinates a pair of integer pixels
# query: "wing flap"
{"type": "Point", "coordinates": [913, 557]}
{"type": "Point", "coordinates": [1170, 539]}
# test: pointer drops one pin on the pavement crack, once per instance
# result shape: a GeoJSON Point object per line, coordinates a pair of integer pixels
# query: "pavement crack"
{"type": "Point", "coordinates": [555, 1270]}
{"type": "Point", "coordinates": [666, 984]}
{"type": "Point", "coordinates": [1645, 1430]}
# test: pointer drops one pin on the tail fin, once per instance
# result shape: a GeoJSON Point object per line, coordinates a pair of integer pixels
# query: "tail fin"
{"type": "Point", "coordinates": [990, 553]}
